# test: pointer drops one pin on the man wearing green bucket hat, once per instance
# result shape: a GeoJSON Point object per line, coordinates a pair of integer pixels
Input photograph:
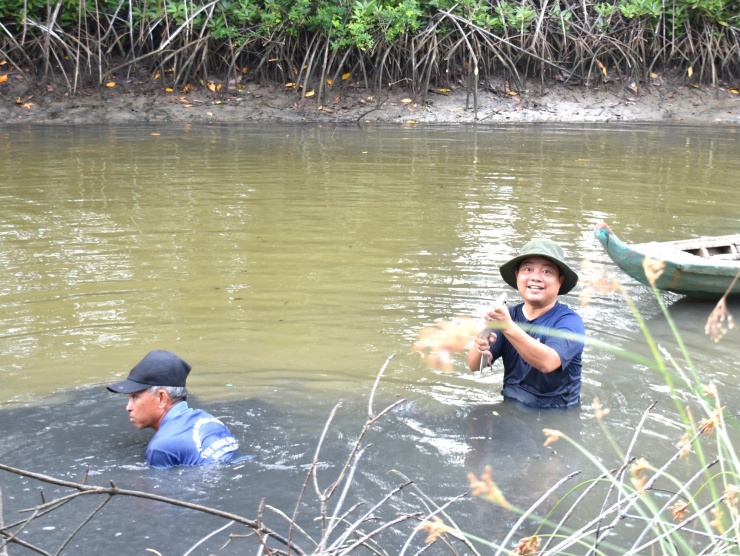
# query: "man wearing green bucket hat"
{"type": "Point", "coordinates": [539, 340]}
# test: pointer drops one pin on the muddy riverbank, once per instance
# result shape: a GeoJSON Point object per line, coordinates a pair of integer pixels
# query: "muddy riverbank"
{"type": "Point", "coordinates": [135, 100]}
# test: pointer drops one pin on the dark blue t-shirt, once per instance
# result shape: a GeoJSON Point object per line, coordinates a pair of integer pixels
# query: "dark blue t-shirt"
{"type": "Point", "coordinates": [560, 388]}
{"type": "Point", "coordinates": [190, 437]}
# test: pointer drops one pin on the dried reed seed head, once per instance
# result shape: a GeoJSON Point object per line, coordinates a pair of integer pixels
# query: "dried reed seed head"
{"type": "Point", "coordinates": [684, 445]}
{"type": "Point", "coordinates": [639, 484]}
{"type": "Point", "coordinates": [719, 322]}
{"type": "Point", "coordinates": [653, 269]}
{"type": "Point", "coordinates": [710, 390]}
{"type": "Point", "coordinates": [716, 523]}
{"type": "Point", "coordinates": [436, 528]}
{"type": "Point", "coordinates": [527, 545]}
{"type": "Point", "coordinates": [707, 425]}
{"type": "Point", "coordinates": [438, 344]}
{"type": "Point", "coordinates": [595, 280]}
{"type": "Point", "coordinates": [731, 496]}
{"type": "Point", "coordinates": [551, 435]}
{"type": "Point", "coordinates": [487, 488]}
{"type": "Point", "coordinates": [639, 466]}
{"type": "Point", "coordinates": [599, 412]}
{"type": "Point", "coordinates": [679, 510]}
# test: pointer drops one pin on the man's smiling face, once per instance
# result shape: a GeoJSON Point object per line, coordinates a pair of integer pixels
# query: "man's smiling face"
{"type": "Point", "coordinates": [538, 280]}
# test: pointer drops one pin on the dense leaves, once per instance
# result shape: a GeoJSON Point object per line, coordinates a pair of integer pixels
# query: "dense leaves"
{"type": "Point", "coordinates": [417, 43]}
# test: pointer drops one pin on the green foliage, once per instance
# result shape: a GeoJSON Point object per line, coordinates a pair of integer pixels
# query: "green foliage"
{"type": "Point", "coordinates": [651, 9]}
{"type": "Point", "coordinates": [561, 18]}
{"type": "Point", "coordinates": [606, 12]}
{"type": "Point", "coordinates": [361, 23]}
{"type": "Point", "coordinates": [357, 30]}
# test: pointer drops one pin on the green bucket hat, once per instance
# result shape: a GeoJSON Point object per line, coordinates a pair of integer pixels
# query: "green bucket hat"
{"type": "Point", "coordinates": [541, 248]}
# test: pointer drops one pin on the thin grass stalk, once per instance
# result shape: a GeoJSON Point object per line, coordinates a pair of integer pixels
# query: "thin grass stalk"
{"type": "Point", "coordinates": [630, 501]}
{"type": "Point", "coordinates": [352, 527]}
{"type": "Point", "coordinates": [80, 21]}
{"type": "Point", "coordinates": [340, 65]}
{"type": "Point", "coordinates": [430, 65]}
{"type": "Point", "coordinates": [363, 540]}
{"type": "Point", "coordinates": [185, 27]}
{"type": "Point", "coordinates": [208, 536]}
{"type": "Point", "coordinates": [307, 63]}
{"type": "Point", "coordinates": [82, 524]}
{"type": "Point", "coordinates": [382, 69]}
{"type": "Point", "coordinates": [83, 490]}
{"type": "Point", "coordinates": [312, 473]}
{"type": "Point", "coordinates": [50, 19]}
{"type": "Point", "coordinates": [324, 69]}
{"type": "Point", "coordinates": [531, 509]}
{"type": "Point", "coordinates": [682, 492]}
{"type": "Point", "coordinates": [293, 524]}
{"type": "Point", "coordinates": [438, 510]}
{"type": "Point", "coordinates": [30, 547]}
{"type": "Point", "coordinates": [474, 63]}
{"type": "Point", "coordinates": [99, 44]}
{"type": "Point", "coordinates": [626, 460]}
{"type": "Point", "coordinates": [616, 508]}
{"type": "Point", "coordinates": [21, 52]}
{"type": "Point", "coordinates": [592, 484]}
{"type": "Point", "coordinates": [334, 519]}
{"type": "Point", "coordinates": [695, 379]}
{"type": "Point", "coordinates": [677, 527]}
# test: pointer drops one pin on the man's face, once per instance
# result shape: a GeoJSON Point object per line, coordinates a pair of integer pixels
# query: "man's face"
{"type": "Point", "coordinates": [146, 409]}
{"type": "Point", "coordinates": [538, 281]}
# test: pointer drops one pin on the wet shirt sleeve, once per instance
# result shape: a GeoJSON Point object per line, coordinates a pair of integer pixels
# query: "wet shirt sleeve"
{"type": "Point", "coordinates": [191, 437]}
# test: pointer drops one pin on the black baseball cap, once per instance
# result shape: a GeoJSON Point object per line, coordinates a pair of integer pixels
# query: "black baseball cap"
{"type": "Point", "coordinates": [158, 368]}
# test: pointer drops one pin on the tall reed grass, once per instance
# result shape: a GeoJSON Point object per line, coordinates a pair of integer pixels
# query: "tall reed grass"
{"type": "Point", "coordinates": [687, 503]}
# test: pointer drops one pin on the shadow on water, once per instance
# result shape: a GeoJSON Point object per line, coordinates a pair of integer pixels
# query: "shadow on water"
{"type": "Point", "coordinates": [86, 432]}
{"type": "Point", "coordinates": [86, 429]}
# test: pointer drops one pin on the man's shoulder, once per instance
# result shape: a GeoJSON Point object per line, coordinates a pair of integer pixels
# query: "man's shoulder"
{"type": "Point", "coordinates": [563, 309]}
{"type": "Point", "coordinates": [566, 318]}
{"type": "Point", "coordinates": [562, 317]}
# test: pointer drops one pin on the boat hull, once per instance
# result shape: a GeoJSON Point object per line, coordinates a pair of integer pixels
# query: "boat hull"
{"type": "Point", "coordinates": [684, 273]}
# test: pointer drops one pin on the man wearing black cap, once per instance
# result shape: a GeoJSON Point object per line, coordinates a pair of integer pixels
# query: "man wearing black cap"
{"type": "Point", "coordinates": [156, 399]}
{"type": "Point", "coordinates": [539, 340]}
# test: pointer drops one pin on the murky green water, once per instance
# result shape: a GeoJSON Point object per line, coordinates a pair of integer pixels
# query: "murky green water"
{"type": "Point", "coordinates": [286, 264]}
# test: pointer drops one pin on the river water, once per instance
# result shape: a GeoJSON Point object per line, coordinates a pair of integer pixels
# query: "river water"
{"type": "Point", "coordinates": [287, 264]}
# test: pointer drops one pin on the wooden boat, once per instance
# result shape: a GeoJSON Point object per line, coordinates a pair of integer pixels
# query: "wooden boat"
{"type": "Point", "coordinates": [705, 267]}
